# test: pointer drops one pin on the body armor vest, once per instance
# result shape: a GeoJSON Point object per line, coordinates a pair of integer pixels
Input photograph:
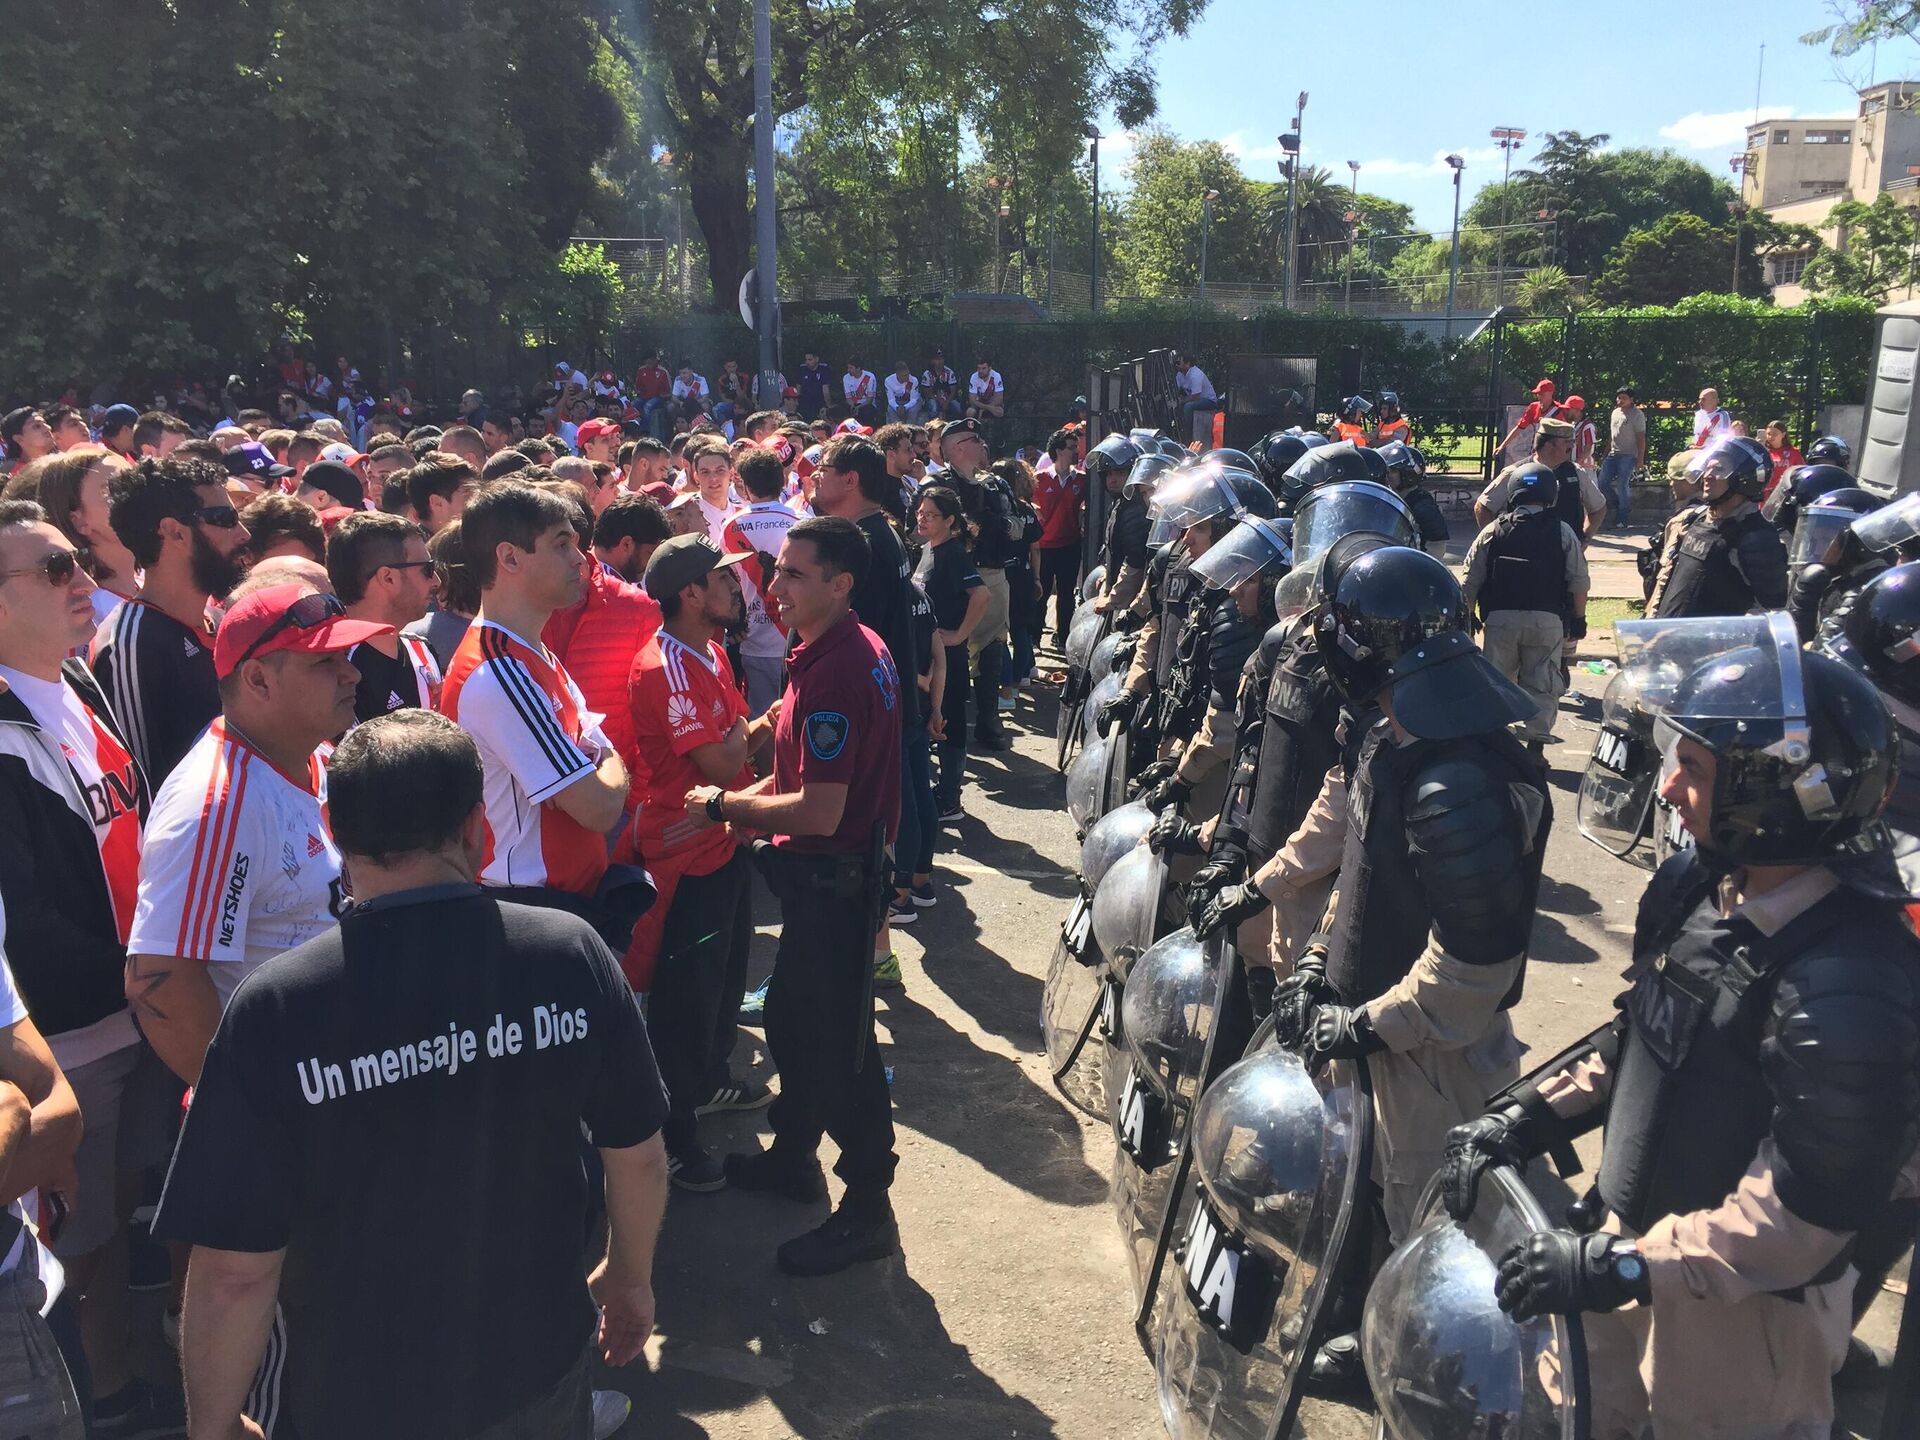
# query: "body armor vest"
{"type": "Point", "coordinates": [1704, 580]}
{"type": "Point", "coordinates": [1298, 746]}
{"type": "Point", "coordinates": [1178, 591]}
{"type": "Point", "coordinates": [1527, 564]}
{"type": "Point", "coordinates": [1385, 914]}
{"type": "Point", "coordinates": [1568, 504]}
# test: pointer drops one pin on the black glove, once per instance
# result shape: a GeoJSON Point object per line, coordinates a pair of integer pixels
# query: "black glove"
{"type": "Point", "coordinates": [1117, 712]}
{"type": "Point", "coordinates": [1494, 1138]}
{"type": "Point", "coordinates": [1211, 878]}
{"type": "Point", "coordinates": [1168, 793]}
{"type": "Point", "coordinates": [1557, 1272]}
{"type": "Point", "coordinates": [1123, 653]}
{"type": "Point", "coordinates": [1340, 1032]}
{"type": "Point", "coordinates": [1577, 626]}
{"type": "Point", "coordinates": [1231, 906]}
{"type": "Point", "coordinates": [1148, 778]}
{"type": "Point", "coordinates": [1173, 836]}
{"type": "Point", "coordinates": [1296, 999]}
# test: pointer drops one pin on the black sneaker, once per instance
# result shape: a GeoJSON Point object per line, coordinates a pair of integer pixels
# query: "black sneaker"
{"type": "Point", "coordinates": [995, 742]}
{"type": "Point", "coordinates": [737, 1095]}
{"type": "Point", "coordinates": [839, 1241]}
{"type": "Point", "coordinates": [149, 1266]}
{"type": "Point", "coordinates": [138, 1411]}
{"type": "Point", "coordinates": [902, 912]}
{"type": "Point", "coordinates": [923, 896]}
{"type": "Point", "coordinates": [762, 1171]}
{"type": "Point", "coordinates": [697, 1171]}
{"type": "Point", "coordinates": [952, 814]}
{"type": "Point", "coordinates": [1337, 1372]}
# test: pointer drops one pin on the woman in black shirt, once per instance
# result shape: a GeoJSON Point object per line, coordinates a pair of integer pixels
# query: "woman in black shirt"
{"type": "Point", "coordinates": [959, 599]}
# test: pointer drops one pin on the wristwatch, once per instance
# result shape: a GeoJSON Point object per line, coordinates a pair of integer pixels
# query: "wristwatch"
{"type": "Point", "coordinates": [715, 809]}
{"type": "Point", "coordinates": [1629, 1269]}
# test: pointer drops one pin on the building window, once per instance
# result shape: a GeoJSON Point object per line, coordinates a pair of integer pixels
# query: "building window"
{"type": "Point", "coordinates": [1756, 139]}
{"type": "Point", "coordinates": [1787, 269]}
{"type": "Point", "coordinates": [1780, 137]}
{"type": "Point", "coordinates": [1828, 137]}
{"type": "Point", "coordinates": [1823, 187]}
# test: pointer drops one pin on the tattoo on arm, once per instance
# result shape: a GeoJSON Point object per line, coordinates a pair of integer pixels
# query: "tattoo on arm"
{"type": "Point", "coordinates": [143, 983]}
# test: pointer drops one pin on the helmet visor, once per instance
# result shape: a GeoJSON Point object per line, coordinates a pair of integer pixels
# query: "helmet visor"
{"type": "Point", "coordinates": [1146, 471]}
{"type": "Point", "coordinates": [1819, 527]}
{"type": "Point", "coordinates": [1253, 547]}
{"type": "Point", "coordinates": [1725, 459]}
{"type": "Point", "coordinates": [1719, 667]}
{"type": "Point", "coordinates": [1352, 507]}
{"type": "Point", "coordinates": [1890, 527]}
{"type": "Point", "coordinates": [1205, 495]}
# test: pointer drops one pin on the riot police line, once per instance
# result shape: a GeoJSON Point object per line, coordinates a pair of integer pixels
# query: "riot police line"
{"type": "Point", "coordinates": [1311, 858]}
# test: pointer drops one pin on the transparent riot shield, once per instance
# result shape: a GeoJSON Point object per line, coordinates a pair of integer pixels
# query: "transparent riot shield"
{"type": "Point", "coordinates": [1279, 1154]}
{"type": "Point", "coordinates": [1083, 636]}
{"type": "Point", "coordinates": [1070, 1000]}
{"type": "Point", "coordinates": [1616, 792]}
{"type": "Point", "coordinates": [1444, 1362]}
{"type": "Point", "coordinates": [1087, 784]}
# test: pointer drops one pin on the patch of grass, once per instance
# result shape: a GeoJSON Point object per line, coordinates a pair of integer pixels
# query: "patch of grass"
{"type": "Point", "coordinates": [1602, 612]}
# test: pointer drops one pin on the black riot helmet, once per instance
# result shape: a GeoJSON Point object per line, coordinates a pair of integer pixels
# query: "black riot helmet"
{"type": "Point", "coordinates": [1824, 533]}
{"type": "Point", "coordinates": [1276, 453]}
{"type": "Point", "coordinates": [1152, 442]}
{"type": "Point", "coordinates": [1830, 450]}
{"type": "Point", "coordinates": [1232, 459]}
{"type": "Point", "coordinates": [1116, 452]}
{"type": "Point", "coordinates": [1394, 618]}
{"type": "Point", "coordinates": [1881, 633]}
{"type": "Point", "coordinates": [1405, 465]}
{"type": "Point", "coordinates": [1354, 408]}
{"type": "Point", "coordinates": [1389, 405]}
{"type": "Point", "coordinates": [1209, 491]}
{"type": "Point", "coordinates": [1146, 472]}
{"type": "Point", "coordinates": [1328, 465]}
{"type": "Point", "coordinates": [1799, 488]}
{"type": "Point", "coordinates": [1803, 745]}
{"type": "Point", "coordinates": [1740, 460]}
{"type": "Point", "coordinates": [1536, 484]}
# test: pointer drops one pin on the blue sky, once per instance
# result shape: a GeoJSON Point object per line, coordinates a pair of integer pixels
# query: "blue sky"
{"type": "Point", "coordinates": [1429, 78]}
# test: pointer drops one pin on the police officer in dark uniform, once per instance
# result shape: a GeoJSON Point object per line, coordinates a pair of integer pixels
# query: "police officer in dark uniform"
{"type": "Point", "coordinates": [1406, 470]}
{"type": "Point", "coordinates": [1446, 831]}
{"type": "Point", "coordinates": [1761, 1086]}
{"type": "Point", "coordinates": [997, 532]}
{"type": "Point", "coordinates": [1825, 561]}
{"type": "Point", "coordinates": [831, 806]}
{"type": "Point", "coordinates": [1730, 559]}
{"type": "Point", "coordinates": [1124, 552]}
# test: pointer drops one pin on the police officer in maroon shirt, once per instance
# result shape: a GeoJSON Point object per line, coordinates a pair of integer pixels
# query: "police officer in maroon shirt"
{"type": "Point", "coordinates": [830, 806]}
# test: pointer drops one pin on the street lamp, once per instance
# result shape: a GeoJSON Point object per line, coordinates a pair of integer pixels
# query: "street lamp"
{"type": "Point", "coordinates": [1453, 269]}
{"type": "Point", "coordinates": [1353, 225]}
{"type": "Point", "coordinates": [1290, 168]}
{"type": "Point", "coordinates": [1206, 224]}
{"type": "Point", "coordinates": [1001, 188]}
{"type": "Point", "coordinates": [1092, 132]}
{"type": "Point", "coordinates": [1508, 139]}
{"type": "Point", "coordinates": [1740, 164]}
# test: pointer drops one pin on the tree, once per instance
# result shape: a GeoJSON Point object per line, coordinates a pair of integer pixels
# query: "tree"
{"type": "Point", "coordinates": [1021, 79]}
{"type": "Point", "coordinates": [1678, 256]}
{"type": "Point", "coordinates": [1877, 250]}
{"type": "Point", "coordinates": [1545, 290]}
{"type": "Point", "coordinates": [1158, 246]}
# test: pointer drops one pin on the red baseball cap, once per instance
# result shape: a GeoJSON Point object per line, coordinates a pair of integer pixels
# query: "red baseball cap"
{"type": "Point", "coordinates": [851, 426]}
{"type": "Point", "coordinates": [1574, 402]}
{"type": "Point", "coordinates": [595, 429]}
{"type": "Point", "coordinates": [291, 617]}
{"type": "Point", "coordinates": [1545, 387]}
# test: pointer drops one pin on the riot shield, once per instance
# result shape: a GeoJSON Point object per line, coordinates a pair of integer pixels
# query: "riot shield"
{"type": "Point", "coordinates": [1616, 792]}
{"type": "Point", "coordinates": [1091, 582]}
{"type": "Point", "coordinates": [1083, 635]}
{"type": "Point", "coordinates": [1070, 1001]}
{"type": "Point", "coordinates": [1087, 784]}
{"type": "Point", "coordinates": [1444, 1361]}
{"type": "Point", "coordinates": [1167, 1015]}
{"type": "Point", "coordinates": [1279, 1154]}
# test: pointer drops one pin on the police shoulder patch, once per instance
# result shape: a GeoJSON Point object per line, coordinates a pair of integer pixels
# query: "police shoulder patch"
{"type": "Point", "coordinates": [827, 732]}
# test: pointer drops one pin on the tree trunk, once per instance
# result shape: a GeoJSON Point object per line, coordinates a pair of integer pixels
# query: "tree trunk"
{"type": "Point", "coordinates": [716, 163]}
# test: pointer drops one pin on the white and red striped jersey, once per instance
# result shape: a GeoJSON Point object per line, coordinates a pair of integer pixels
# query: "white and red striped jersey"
{"type": "Point", "coordinates": [238, 865]}
{"type": "Point", "coordinates": [536, 737]}
{"type": "Point", "coordinates": [759, 529]}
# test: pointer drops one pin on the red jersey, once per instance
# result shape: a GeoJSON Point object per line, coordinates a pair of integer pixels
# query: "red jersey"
{"type": "Point", "coordinates": [536, 737]}
{"type": "Point", "coordinates": [840, 725]}
{"type": "Point", "coordinates": [1057, 499]}
{"type": "Point", "coordinates": [651, 382]}
{"type": "Point", "coordinates": [680, 699]}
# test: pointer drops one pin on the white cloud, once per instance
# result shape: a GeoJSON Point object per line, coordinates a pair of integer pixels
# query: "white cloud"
{"type": "Point", "coordinates": [1726, 128]}
{"type": "Point", "coordinates": [1477, 158]}
{"type": "Point", "coordinates": [1236, 145]}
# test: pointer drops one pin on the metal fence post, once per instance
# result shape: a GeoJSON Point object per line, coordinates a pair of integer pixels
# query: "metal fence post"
{"type": "Point", "coordinates": [1491, 413]}
{"type": "Point", "coordinates": [1810, 391]}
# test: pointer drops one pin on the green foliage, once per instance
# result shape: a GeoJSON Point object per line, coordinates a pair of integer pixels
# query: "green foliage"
{"type": "Point", "coordinates": [1679, 255]}
{"type": "Point", "coordinates": [1880, 244]}
{"type": "Point", "coordinates": [1544, 290]}
{"type": "Point", "coordinates": [224, 170]}
{"type": "Point", "coordinates": [1160, 223]}
{"type": "Point", "coordinates": [587, 294]}
{"type": "Point", "coordinates": [1865, 23]}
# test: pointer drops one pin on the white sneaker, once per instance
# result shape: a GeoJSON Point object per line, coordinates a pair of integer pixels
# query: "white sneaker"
{"type": "Point", "coordinates": [610, 1411]}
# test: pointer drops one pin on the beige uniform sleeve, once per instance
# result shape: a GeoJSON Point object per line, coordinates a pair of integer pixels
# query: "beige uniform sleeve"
{"type": "Point", "coordinates": [1747, 1245]}
{"type": "Point", "coordinates": [1145, 650]}
{"type": "Point", "coordinates": [1676, 526]}
{"type": "Point", "coordinates": [1579, 578]}
{"type": "Point", "coordinates": [1126, 585]}
{"type": "Point", "coordinates": [1592, 498]}
{"type": "Point", "coordinates": [1313, 851]}
{"type": "Point", "coordinates": [1211, 748]}
{"type": "Point", "coordinates": [1443, 1003]}
{"type": "Point", "coordinates": [1578, 1090]}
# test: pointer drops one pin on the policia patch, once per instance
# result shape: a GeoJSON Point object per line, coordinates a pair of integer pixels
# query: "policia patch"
{"type": "Point", "coordinates": [826, 732]}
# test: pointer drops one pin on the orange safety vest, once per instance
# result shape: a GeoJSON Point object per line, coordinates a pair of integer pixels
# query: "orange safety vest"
{"type": "Point", "coordinates": [1356, 433]}
{"type": "Point", "coordinates": [1394, 430]}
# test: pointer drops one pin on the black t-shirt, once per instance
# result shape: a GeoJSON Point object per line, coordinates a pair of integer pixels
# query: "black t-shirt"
{"type": "Point", "coordinates": [946, 573]}
{"type": "Point", "coordinates": [158, 676]}
{"type": "Point", "coordinates": [398, 1104]}
{"type": "Point", "coordinates": [387, 682]}
{"type": "Point", "coordinates": [923, 628]}
{"type": "Point", "coordinates": [882, 600]}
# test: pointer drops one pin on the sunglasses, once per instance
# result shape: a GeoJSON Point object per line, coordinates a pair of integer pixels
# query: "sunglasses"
{"type": "Point", "coordinates": [309, 612]}
{"type": "Point", "coordinates": [221, 517]}
{"type": "Point", "coordinates": [411, 565]}
{"type": "Point", "coordinates": [59, 568]}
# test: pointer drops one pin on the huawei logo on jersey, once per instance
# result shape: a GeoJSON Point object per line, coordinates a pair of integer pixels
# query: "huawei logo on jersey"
{"type": "Point", "coordinates": [681, 714]}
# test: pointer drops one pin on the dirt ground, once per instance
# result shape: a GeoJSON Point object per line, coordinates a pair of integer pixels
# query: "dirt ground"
{"type": "Point", "coordinates": [1008, 1315]}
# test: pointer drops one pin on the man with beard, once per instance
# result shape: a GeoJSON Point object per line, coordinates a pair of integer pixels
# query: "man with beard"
{"type": "Point", "coordinates": [154, 655]}
{"type": "Point", "coordinates": [626, 533]}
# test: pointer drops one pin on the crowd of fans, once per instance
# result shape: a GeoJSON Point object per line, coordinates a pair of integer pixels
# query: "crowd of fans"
{"type": "Point", "coordinates": [216, 636]}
